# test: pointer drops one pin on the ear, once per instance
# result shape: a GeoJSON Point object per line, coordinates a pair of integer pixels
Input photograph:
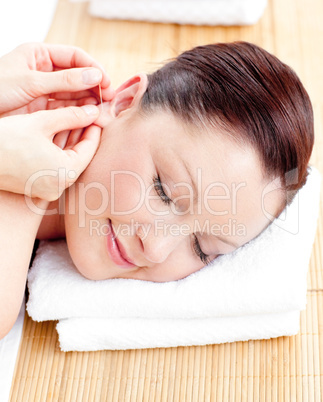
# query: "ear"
{"type": "Point", "coordinates": [129, 94]}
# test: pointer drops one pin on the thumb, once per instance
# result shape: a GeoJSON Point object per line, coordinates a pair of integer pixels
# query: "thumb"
{"type": "Point", "coordinates": [68, 80]}
{"type": "Point", "coordinates": [82, 153]}
{"type": "Point", "coordinates": [51, 122]}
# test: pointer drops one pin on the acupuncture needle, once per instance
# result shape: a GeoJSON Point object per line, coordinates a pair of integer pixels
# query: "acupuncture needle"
{"type": "Point", "coordinates": [100, 92]}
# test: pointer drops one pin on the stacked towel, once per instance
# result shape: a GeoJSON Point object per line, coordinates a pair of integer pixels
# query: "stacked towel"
{"type": "Point", "coordinates": [197, 12]}
{"type": "Point", "coordinates": [256, 292]}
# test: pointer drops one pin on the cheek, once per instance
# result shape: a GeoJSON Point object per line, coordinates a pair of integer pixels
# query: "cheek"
{"type": "Point", "coordinates": [87, 248]}
{"type": "Point", "coordinates": [91, 190]}
{"type": "Point", "coordinates": [116, 181]}
{"type": "Point", "coordinates": [179, 264]}
{"type": "Point", "coordinates": [127, 192]}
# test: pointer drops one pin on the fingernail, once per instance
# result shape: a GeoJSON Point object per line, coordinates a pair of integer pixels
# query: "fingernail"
{"type": "Point", "coordinates": [91, 76]}
{"type": "Point", "coordinates": [90, 110]}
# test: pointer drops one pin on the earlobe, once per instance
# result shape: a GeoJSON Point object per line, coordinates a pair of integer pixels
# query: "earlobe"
{"type": "Point", "coordinates": [129, 94]}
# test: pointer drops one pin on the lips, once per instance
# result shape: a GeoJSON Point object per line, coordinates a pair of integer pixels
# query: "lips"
{"type": "Point", "coordinates": [116, 251]}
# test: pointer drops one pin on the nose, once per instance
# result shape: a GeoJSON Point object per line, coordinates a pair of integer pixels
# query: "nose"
{"type": "Point", "coordinates": [158, 245]}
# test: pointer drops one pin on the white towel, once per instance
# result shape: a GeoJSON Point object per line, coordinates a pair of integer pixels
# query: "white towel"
{"type": "Point", "coordinates": [197, 12]}
{"type": "Point", "coordinates": [262, 282]}
{"type": "Point", "coordinates": [89, 334]}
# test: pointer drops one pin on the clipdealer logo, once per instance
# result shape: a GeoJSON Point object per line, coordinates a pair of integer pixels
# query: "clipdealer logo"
{"type": "Point", "coordinates": [215, 191]}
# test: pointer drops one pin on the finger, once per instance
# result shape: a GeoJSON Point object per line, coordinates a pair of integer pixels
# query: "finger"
{"type": "Point", "coordinates": [74, 95]}
{"type": "Point", "coordinates": [72, 80]}
{"type": "Point", "coordinates": [61, 138]}
{"type": "Point", "coordinates": [104, 116]}
{"type": "Point", "coordinates": [82, 153]}
{"type": "Point", "coordinates": [74, 137]}
{"type": "Point", "coordinates": [64, 56]}
{"type": "Point", "coordinates": [54, 121]}
{"type": "Point", "coordinates": [70, 57]}
{"type": "Point", "coordinates": [107, 94]}
{"type": "Point", "coordinates": [55, 104]}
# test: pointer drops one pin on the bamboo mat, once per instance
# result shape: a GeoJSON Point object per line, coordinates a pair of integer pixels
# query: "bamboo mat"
{"type": "Point", "coordinates": [282, 369]}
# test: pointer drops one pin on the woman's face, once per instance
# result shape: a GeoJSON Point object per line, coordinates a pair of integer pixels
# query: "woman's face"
{"type": "Point", "coordinates": [164, 191]}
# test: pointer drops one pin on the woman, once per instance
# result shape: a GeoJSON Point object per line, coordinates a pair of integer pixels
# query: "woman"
{"type": "Point", "coordinates": [194, 161]}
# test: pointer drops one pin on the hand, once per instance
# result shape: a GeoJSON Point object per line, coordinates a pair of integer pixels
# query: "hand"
{"type": "Point", "coordinates": [38, 76]}
{"type": "Point", "coordinates": [31, 164]}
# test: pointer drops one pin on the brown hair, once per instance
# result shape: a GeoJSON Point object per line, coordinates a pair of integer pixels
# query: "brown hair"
{"type": "Point", "coordinates": [247, 90]}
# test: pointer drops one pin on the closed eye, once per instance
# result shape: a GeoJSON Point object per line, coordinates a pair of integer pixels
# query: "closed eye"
{"type": "Point", "coordinates": [205, 258]}
{"type": "Point", "coordinates": [160, 190]}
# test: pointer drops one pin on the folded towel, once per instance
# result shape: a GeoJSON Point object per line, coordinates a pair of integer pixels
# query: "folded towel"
{"type": "Point", "coordinates": [197, 12]}
{"type": "Point", "coordinates": [266, 277]}
{"type": "Point", "coordinates": [89, 334]}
